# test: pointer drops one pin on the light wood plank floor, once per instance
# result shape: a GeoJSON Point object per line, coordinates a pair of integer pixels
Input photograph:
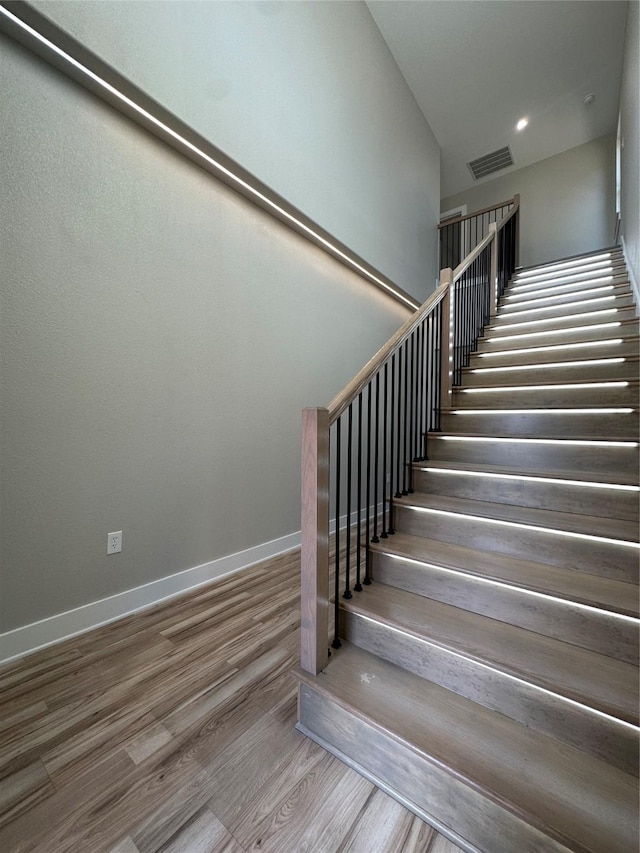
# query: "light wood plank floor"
{"type": "Point", "coordinates": [173, 730]}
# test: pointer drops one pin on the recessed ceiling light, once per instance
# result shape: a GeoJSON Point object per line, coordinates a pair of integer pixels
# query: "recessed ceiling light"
{"type": "Point", "coordinates": [522, 124]}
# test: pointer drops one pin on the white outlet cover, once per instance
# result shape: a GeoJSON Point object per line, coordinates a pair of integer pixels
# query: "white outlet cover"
{"type": "Point", "coordinates": [114, 542]}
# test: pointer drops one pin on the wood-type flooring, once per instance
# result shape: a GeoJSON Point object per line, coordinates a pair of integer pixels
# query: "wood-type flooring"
{"type": "Point", "coordinates": [173, 730]}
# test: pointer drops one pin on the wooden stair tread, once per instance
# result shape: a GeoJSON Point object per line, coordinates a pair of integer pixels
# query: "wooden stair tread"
{"type": "Point", "coordinates": [623, 531]}
{"type": "Point", "coordinates": [625, 347]}
{"type": "Point", "coordinates": [572, 291]}
{"type": "Point", "coordinates": [566, 322]}
{"type": "Point", "coordinates": [592, 590]}
{"type": "Point", "coordinates": [570, 283]}
{"type": "Point", "coordinates": [530, 360]}
{"type": "Point", "coordinates": [572, 796]}
{"type": "Point", "coordinates": [613, 253]}
{"type": "Point", "coordinates": [628, 327]}
{"type": "Point", "coordinates": [621, 479]}
{"type": "Point", "coordinates": [570, 286]}
{"type": "Point", "coordinates": [592, 679]}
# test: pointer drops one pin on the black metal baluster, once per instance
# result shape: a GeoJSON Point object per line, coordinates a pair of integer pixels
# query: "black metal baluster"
{"type": "Point", "coordinates": [429, 359]}
{"type": "Point", "coordinates": [367, 573]}
{"type": "Point", "coordinates": [420, 395]}
{"type": "Point", "coordinates": [412, 395]}
{"type": "Point", "coordinates": [375, 466]}
{"type": "Point", "coordinates": [458, 328]}
{"type": "Point", "coordinates": [385, 499]}
{"type": "Point", "coordinates": [442, 328]}
{"type": "Point", "coordinates": [430, 367]}
{"type": "Point", "coordinates": [336, 634]}
{"type": "Point", "coordinates": [358, 585]}
{"type": "Point", "coordinates": [347, 561]}
{"type": "Point", "coordinates": [398, 421]}
{"type": "Point", "coordinates": [391, 530]}
{"type": "Point", "coordinates": [367, 555]}
{"type": "Point", "coordinates": [405, 423]}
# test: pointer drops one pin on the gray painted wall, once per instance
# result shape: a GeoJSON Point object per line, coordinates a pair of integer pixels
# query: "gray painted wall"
{"type": "Point", "coordinates": [160, 335]}
{"type": "Point", "coordinates": [306, 96]}
{"type": "Point", "coordinates": [568, 201]}
{"type": "Point", "coordinates": [630, 154]}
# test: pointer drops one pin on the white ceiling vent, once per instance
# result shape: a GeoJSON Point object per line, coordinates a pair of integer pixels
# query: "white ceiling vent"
{"type": "Point", "coordinates": [490, 163]}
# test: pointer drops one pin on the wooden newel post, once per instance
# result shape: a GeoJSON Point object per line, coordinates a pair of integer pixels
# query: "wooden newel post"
{"type": "Point", "coordinates": [314, 644]}
{"type": "Point", "coordinates": [493, 298]}
{"type": "Point", "coordinates": [446, 373]}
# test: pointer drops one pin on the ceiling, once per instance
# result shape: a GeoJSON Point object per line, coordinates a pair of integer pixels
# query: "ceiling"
{"type": "Point", "coordinates": [476, 67]}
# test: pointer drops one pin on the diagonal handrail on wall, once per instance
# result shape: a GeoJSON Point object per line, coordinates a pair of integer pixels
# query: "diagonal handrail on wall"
{"type": "Point", "coordinates": [375, 428]}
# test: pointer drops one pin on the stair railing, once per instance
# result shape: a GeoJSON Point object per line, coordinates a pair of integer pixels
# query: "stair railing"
{"type": "Point", "coordinates": [458, 235]}
{"type": "Point", "coordinates": [357, 453]}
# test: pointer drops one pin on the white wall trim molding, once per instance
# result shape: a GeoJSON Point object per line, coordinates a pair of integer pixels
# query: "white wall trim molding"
{"type": "Point", "coordinates": [635, 285]}
{"type": "Point", "coordinates": [63, 626]}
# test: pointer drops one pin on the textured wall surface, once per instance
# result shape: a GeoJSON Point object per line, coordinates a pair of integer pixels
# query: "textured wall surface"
{"type": "Point", "coordinates": [305, 95]}
{"type": "Point", "coordinates": [568, 201]}
{"type": "Point", "coordinates": [630, 154]}
{"type": "Point", "coordinates": [160, 336]}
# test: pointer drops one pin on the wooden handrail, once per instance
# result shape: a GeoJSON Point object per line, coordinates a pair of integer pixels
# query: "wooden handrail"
{"type": "Point", "coordinates": [348, 394]}
{"type": "Point", "coordinates": [476, 213]}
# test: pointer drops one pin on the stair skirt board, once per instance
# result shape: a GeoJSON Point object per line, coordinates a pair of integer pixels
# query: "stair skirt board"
{"type": "Point", "coordinates": [448, 833]}
{"type": "Point", "coordinates": [403, 772]}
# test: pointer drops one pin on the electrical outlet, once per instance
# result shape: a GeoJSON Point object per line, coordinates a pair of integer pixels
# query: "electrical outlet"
{"type": "Point", "coordinates": [114, 542]}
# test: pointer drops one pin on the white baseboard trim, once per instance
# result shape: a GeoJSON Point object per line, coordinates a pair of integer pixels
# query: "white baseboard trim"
{"type": "Point", "coordinates": [63, 626]}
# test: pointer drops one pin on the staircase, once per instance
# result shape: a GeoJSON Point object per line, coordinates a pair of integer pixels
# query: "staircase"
{"type": "Point", "coordinates": [488, 678]}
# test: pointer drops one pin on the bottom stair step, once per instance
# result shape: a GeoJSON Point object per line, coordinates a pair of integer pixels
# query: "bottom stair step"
{"type": "Point", "coordinates": [488, 782]}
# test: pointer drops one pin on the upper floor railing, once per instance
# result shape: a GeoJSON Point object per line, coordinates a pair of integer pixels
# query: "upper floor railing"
{"type": "Point", "coordinates": [460, 234]}
{"type": "Point", "coordinates": [358, 452]}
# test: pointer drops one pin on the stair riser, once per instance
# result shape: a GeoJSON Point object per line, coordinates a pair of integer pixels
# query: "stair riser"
{"type": "Point", "coordinates": [564, 323]}
{"type": "Point", "coordinates": [628, 348]}
{"type": "Point", "coordinates": [614, 561]}
{"type": "Point", "coordinates": [628, 328]}
{"type": "Point", "coordinates": [413, 779]}
{"type": "Point", "coordinates": [543, 423]}
{"type": "Point", "coordinates": [515, 294]}
{"type": "Point", "coordinates": [554, 496]}
{"type": "Point", "coordinates": [547, 398]}
{"type": "Point", "coordinates": [605, 460]}
{"type": "Point", "coordinates": [564, 310]}
{"type": "Point", "coordinates": [618, 287]}
{"type": "Point", "coordinates": [493, 689]}
{"type": "Point", "coordinates": [614, 257]}
{"type": "Point", "coordinates": [539, 373]}
{"type": "Point", "coordinates": [572, 276]}
{"type": "Point", "coordinates": [590, 629]}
